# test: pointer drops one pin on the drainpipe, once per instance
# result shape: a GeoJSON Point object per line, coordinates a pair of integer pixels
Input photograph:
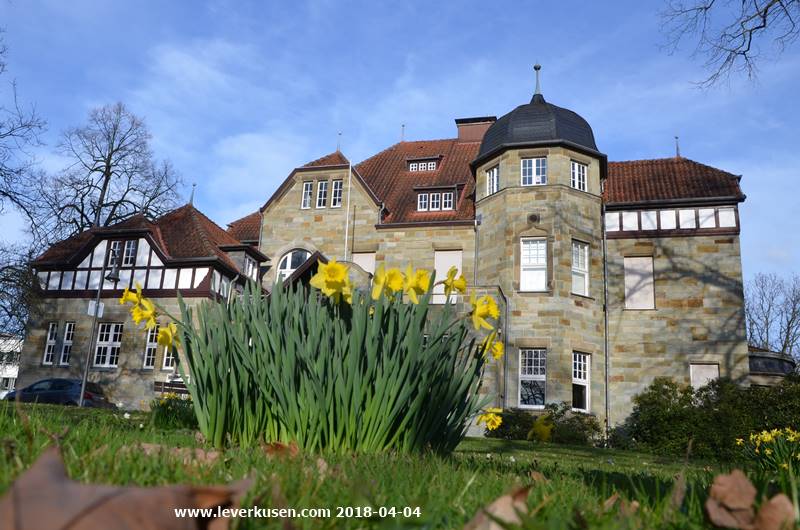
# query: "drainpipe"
{"type": "Point", "coordinates": [478, 218]}
{"type": "Point", "coordinates": [347, 211]}
{"type": "Point", "coordinates": [605, 314]}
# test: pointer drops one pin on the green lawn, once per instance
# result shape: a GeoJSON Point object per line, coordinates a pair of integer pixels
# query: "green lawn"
{"type": "Point", "coordinates": [100, 447]}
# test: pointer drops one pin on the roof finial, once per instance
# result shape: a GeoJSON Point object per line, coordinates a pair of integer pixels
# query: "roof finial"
{"type": "Point", "coordinates": [338, 141]}
{"type": "Point", "coordinates": [677, 148]}
{"type": "Point", "coordinates": [402, 132]}
{"type": "Point", "coordinates": [536, 68]}
{"type": "Point", "coordinates": [191, 197]}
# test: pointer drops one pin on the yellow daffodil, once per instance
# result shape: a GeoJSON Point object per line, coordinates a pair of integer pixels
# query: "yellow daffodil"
{"type": "Point", "coordinates": [333, 279]}
{"type": "Point", "coordinates": [491, 418]}
{"type": "Point", "coordinates": [490, 345]}
{"type": "Point", "coordinates": [767, 451]}
{"type": "Point", "coordinates": [130, 297]}
{"type": "Point", "coordinates": [394, 281]}
{"type": "Point", "coordinates": [378, 282]}
{"type": "Point", "coordinates": [145, 311]}
{"type": "Point", "coordinates": [451, 283]}
{"type": "Point", "coordinates": [417, 283]}
{"type": "Point", "coordinates": [483, 307]}
{"type": "Point", "coordinates": [739, 441]}
{"type": "Point", "coordinates": [497, 350]}
{"type": "Point", "coordinates": [168, 335]}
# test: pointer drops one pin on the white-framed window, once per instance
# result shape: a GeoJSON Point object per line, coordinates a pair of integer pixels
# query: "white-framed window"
{"type": "Point", "coordinates": [432, 165]}
{"type": "Point", "coordinates": [170, 360]}
{"type": "Point", "coordinates": [578, 175]}
{"type": "Point", "coordinates": [66, 346]}
{"type": "Point", "coordinates": [422, 202]}
{"type": "Point", "coordinates": [50, 343]}
{"type": "Point", "coordinates": [533, 264]}
{"type": "Point", "coordinates": [580, 268]}
{"type": "Point", "coordinates": [581, 372]}
{"type": "Point", "coordinates": [150, 349]}
{"type": "Point", "coordinates": [630, 221]}
{"type": "Point", "coordinates": [708, 218]}
{"type": "Point", "coordinates": [251, 268]}
{"type": "Point", "coordinates": [109, 341]}
{"type": "Point", "coordinates": [7, 383]}
{"type": "Point", "coordinates": [436, 203]}
{"type": "Point", "coordinates": [114, 253]}
{"type": "Point", "coordinates": [129, 254]}
{"type": "Point", "coordinates": [612, 221]}
{"type": "Point", "coordinates": [668, 219]}
{"type": "Point", "coordinates": [727, 217]}
{"type": "Point", "coordinates": [492, 180]}
{"type": "Point", "coordinates": [412, 166]}
{"type": "Point", "coordinates": [650, 220]}
{"type": "Point", "coordinates": [447, 200]}
{"type": "Point", "coordinates": [533, 171]}
{"type": "Point", "coordinates": [291, 261]}
{"type": "Point", "coordinates": [336, 194]}
{"type": "Point", "coordinates": [701, 374]}
{"type": "Point", "coordinates": [639, 282]}
{"type": "Point", "coordinates": [443, 260]}
{"type": "Point", "coordinates": [532, 377]}
{"type": "Point", "coordinates": [322, 193]}
{"type": "Point", "coordinates": [687, 219]}
{"type": "Point", "coordinates": [308, 191]}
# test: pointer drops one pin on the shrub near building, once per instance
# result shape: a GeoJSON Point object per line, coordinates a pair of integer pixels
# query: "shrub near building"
{"type": "Point", "coordinates": [668, 416]}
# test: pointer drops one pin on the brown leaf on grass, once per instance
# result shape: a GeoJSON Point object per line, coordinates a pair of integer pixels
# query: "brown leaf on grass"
{"type": "Point", "coordinates": [322, 467]}
{"type": "Point", "coordinates": [187, 455]}
{"type": "Point", "coordinates": [775, 514]}
{"type": "Point", "coordinates": [507, 509]}
{"type": "Point", "coordinates": [730, 501]}
{"type": "Point", "coordinates": [537, 477]}
{"type": "Point", "coordinates": [45, 498]}
{"type": "Point", "coordinates": [625, 508]}
{"type": "Point", "coordinates": [281, 449]}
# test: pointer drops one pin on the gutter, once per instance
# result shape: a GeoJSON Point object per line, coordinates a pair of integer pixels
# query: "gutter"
{"type": "Point", "coordinates": [605, 318]}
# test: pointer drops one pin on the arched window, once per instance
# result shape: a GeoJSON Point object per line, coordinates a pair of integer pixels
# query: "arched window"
{"type": "Point", "coordinates": [291, 261]}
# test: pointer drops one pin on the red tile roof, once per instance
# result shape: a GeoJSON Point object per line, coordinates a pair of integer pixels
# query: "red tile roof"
{"type": "Point", "coordinates": [387, 175]}
{"type": "Point", "coordinates": [247, 229]}
{"type": "Point", "coordinates": [668, 179]}
{"type": "Point", "coordinates": [334, 159]}
{"type": "Point", "coordinates": [183, 233]}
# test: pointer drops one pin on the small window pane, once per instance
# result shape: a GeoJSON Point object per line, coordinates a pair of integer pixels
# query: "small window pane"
{"type": "Point", "coordinates": [422, 202]}
{"type": "Point", "coordinates": [649, 220]}
{"type": "Point", "coordinates": [667, 219]}
{"type": "Point", "coordinates": [336, 196]}
{"type": "Point", "coordinates": [630, 221]}
{"type": "Point", "coordinates": [727, 218]}
{"type": "Point", "coordinates": [687, 218]}
{"type": "Point", "coordinates": [612, 221]}
{"type": "Point", "coordinates": [307, 191]}
{"type": "Point", "coordinates": [707, 218]}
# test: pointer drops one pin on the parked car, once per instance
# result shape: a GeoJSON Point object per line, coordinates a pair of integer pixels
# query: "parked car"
{"type": "Point", "coordinates": [61, 392]}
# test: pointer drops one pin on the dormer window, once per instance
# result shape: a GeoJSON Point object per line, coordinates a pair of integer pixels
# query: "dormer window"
{"type": "Point", "coordinates": [447, 200]}
{"type": "Point", "coordinates": [436, 201]}
{"type": "Point", "coordinates": [424, 165]}
{"type": "Point", "coordinates": [422, 202]}
{"type": "Point", "coordinates": [124, 252]}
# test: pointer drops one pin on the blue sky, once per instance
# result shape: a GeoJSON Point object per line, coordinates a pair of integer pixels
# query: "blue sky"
{"type": "Point", "coordinates": [238, 93]}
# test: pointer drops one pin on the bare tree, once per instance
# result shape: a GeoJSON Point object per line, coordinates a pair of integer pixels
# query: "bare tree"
{"type": "Point", "coordinates": [19, 295]}
{"type": "Point", "coordinates": [112, 176]}
{"type": "Point", "coordinates": [19, 132]}
{"type": "Point", "coordinates": [772, 309]}
{"type": "Point", "coordinates": [730, 34]}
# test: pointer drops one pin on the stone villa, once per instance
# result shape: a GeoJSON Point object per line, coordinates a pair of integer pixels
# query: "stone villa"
{"type": "Point", "coordinates": [608, 273]}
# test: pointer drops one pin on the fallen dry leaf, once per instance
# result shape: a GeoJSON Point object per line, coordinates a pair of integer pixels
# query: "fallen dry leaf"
{"type": "Point", "coordinates": [281, 449]}
{"type": "Point", "coordinates": [507, 509]}
{"type": "Point", "coordinates": [187, 455]}
{"type": "Point", "coordinates": [610, 502]}
{"type": "Point", "coordinates": [322, 467]}
{"type": "Point", "coordinates": [730, 501]}
{"type": "Point", "coordinates": [625, 508]}
{"type": "Point", "coordinates": [45, 498]}
{"type": "Point", "coordinates": [537, 477]}
{"type": "Point", "coordinates": [775, 514]}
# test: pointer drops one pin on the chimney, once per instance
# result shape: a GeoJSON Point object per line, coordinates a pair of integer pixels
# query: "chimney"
{"type": "Point", "coordinates": [473, 129]}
